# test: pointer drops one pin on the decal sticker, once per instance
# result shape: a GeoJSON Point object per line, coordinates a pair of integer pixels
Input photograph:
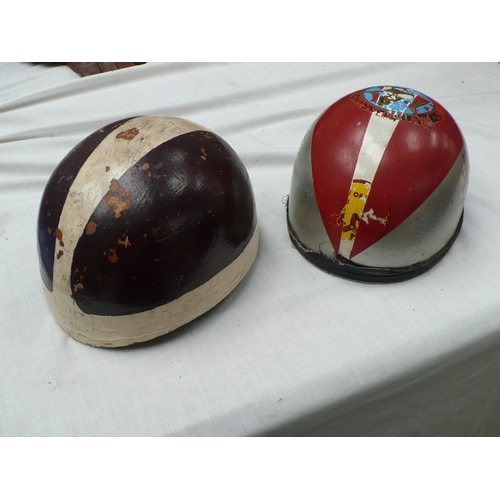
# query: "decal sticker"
{"type": "Point", "coordinates": [398, 103]}
{"type": "Point", "coordinates": [353, 213]}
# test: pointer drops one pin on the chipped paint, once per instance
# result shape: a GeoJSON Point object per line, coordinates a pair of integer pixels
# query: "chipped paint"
{"type": "Point", "coordinates": [117, 202]}
{"type": "Point", "coordinates": [91, 228]}
{"type": "Point", "coordinates": [117, 188]}
{"type": "Point", "coordinates": [77, 287]}
{"type": "Point", "coordinates": [129, 134]}
{"type": "Point", "coordinates": [59, 236]}
{"type": "Point", "coordinates": [126, 243]}
{"type": "Point", "coordinates": [365, 216]}
{"type": "Point", "coordinates": [144, 166]}
{"type": "Point", "coordinates": [113, 257]}
{"type": "Point", "coordinates": [60, 254]}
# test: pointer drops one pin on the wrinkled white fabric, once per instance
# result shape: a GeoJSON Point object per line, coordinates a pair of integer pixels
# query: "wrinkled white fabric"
{"type": "Point", "coordinates": [293, 350]}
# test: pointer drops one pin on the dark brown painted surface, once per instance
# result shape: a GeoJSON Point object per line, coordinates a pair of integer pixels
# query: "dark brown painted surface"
{"type": "Point", "coordinates": [94, 68]}
{"type": "Point", "coordinates": [174, 220]}
{"type": "Point", "coordinates": [55, 195]}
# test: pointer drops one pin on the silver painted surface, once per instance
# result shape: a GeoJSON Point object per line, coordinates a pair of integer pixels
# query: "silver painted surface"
{"type": "Point", "coordinates": [428, 229]}
{"type": "Point", "coordinates": [303, 212]}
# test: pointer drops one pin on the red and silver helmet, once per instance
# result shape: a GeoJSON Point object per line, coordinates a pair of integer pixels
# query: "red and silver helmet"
{"type": "Point", "coordinates": [146, 224]}
{"type": "Point", "coordinates": [378, 186]}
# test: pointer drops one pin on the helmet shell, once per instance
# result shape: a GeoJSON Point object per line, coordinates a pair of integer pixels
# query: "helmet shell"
{"type": "Point", "coordinates": [146, 224]}
{"type": "Point", "coordinates": [378, 185]}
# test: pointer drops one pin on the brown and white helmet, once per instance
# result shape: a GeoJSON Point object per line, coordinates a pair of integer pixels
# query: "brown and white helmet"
{"type": "Point", "coordinates": [378, 186]}
{"type": "Point", "coordinates": [146, 224]}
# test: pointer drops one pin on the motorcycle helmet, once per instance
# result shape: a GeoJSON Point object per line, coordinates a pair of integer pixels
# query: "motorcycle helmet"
{"type": "Point", "coordinates": [145, 225]}
{"type": "Point", "coordinates": [378, 186]}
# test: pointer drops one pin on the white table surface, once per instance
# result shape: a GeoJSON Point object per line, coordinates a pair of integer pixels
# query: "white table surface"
{"type": "Point", "coordinates": [293, 350]}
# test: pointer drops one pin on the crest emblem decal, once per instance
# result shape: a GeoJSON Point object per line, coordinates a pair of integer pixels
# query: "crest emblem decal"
{"type": "Point", "coordinates": [398, 103]}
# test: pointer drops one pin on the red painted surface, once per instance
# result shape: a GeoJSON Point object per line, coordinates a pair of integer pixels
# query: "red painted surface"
{"type": "Point", "coordinates": [415, 162]}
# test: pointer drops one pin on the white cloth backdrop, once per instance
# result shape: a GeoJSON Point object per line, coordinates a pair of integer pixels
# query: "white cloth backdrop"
{"type": "Point", "coordinates": [293, 350]}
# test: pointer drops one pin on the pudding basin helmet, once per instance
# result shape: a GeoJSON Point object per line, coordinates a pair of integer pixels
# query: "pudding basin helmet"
{"type": "Point", "coordinates": [378, 186]}
{"type": "Point", "coordinates": [146, 224]}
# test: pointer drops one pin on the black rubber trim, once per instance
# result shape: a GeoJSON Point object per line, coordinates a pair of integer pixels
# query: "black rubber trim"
{"type": "Point", "coordinates": [340, 266]}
